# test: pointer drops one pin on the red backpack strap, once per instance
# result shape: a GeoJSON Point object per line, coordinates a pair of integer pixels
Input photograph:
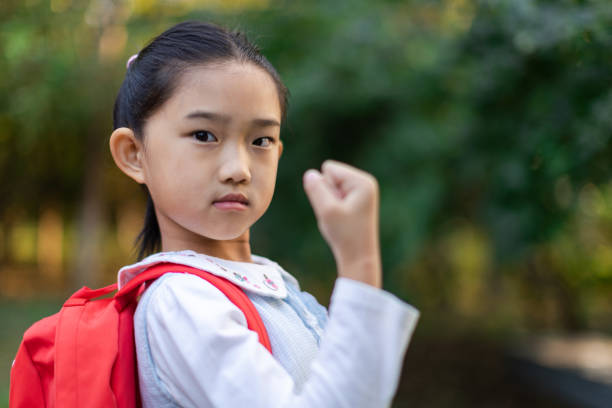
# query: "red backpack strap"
{"type": "Point", "coordinates": [131, 290]}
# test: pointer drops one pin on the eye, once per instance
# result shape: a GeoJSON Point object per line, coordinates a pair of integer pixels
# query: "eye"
{"type": "Point", "coordinates": [204, 136]}
{"type": "Point", "coordinates": [263, 141]}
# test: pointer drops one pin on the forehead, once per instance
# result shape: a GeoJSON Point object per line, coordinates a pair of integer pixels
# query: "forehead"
{"type": "Point", "coordinates": [240, 90]}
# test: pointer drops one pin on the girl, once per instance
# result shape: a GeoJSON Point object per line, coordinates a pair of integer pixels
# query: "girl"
{"type": "Point", "coordinates": [197, 122]}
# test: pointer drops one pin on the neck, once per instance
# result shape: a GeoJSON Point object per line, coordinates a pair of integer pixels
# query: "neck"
{"type": "Point", "coordinates": [237, 249]}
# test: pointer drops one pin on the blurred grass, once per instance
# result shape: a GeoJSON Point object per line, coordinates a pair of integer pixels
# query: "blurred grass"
{"type": "Point", "coordinates": [17, 316]}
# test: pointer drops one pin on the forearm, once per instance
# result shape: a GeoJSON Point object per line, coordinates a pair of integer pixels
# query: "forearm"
{"type": "Point", "coordinates": [365, 268]}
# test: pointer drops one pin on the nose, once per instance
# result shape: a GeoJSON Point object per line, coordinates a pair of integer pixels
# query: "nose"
{"type": "Point", "coordinates": [234, 167]}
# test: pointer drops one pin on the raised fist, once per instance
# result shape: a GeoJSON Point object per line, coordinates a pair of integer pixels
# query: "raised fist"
{"type": "Point", "coordinates": [345, 202]}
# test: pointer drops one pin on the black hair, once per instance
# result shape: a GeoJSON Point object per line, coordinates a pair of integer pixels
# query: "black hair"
{"type": "Point", "coordinates": [153, 75]}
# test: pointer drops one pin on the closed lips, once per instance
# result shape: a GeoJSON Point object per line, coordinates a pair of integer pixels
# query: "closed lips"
{"type": "Point", "coordinates": [239, 198]}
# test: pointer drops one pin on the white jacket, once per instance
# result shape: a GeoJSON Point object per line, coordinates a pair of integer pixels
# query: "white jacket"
{"type": "Point", "coordinates": [194, 349]}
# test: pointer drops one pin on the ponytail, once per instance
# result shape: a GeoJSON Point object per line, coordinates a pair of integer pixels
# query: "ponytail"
{"type": "Point", "coordinates": [149, 239]}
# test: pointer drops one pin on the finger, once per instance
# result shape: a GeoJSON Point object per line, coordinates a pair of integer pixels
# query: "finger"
{"type": "Point", "coordinates": [319, 192]}
{"type": "Point", "coordinates": [345, 177]}
{"type": "Point", "coordinates": [334, 185]}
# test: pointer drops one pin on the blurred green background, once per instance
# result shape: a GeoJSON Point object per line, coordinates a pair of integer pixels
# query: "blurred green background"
{"type": "Point", "coordinates": [486, 122]}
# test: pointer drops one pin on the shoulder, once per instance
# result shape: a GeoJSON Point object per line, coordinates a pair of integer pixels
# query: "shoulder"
{"type": "Point", "coordinates": [176, 297]}
{"type": "Point", "coordinates": [185, 332]}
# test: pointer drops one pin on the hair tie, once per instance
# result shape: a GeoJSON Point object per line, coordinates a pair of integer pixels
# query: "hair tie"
{"type": "Point", "coordinates": [130, 60]}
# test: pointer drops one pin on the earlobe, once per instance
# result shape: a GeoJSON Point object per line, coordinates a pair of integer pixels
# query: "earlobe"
{"type": "Point", "coordinates": [126, 150]}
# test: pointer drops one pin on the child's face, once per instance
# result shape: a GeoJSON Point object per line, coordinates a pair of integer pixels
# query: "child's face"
{"type": "Point", "coordinates": [218, 134]}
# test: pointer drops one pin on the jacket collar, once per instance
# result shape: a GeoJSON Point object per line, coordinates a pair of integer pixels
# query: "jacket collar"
{"type": "Point", "coordinates": [262, 277]}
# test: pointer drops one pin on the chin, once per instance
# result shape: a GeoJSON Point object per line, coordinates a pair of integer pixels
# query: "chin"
{"type": "Point", "coordinates": [225, 234]}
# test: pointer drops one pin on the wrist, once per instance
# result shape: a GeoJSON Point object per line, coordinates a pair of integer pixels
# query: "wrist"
{"type": "Point", "coordinates": [366, 269]}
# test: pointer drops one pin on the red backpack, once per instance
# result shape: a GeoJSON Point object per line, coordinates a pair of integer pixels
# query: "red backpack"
{"type": "Point", "coordinates": [84, 356]}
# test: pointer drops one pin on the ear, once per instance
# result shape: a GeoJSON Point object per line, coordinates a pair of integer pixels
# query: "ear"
{"type": "Point", "coordinates": [127, 152]}
{"type": "Point", "coordinates": [280, 148]}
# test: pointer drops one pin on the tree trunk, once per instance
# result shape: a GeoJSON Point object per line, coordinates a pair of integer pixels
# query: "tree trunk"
{"type": "Point", "coordinates": [87, 260]}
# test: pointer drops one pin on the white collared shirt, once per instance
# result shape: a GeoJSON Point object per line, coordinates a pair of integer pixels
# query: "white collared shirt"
{"type": "Point", "coordinates": [204, 355]}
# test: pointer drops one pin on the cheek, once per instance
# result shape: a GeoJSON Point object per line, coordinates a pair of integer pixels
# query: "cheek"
{"type": "Point", "coordinates": [171, 179]}
{"type": "Point", "coordinates": [159, 175]}
{"type": "Point", "coordinates": [267, 180]}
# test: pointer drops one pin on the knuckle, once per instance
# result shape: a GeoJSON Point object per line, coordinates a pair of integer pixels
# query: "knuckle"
{"type": "Point", "coordinates": [326, 165]}
{"type": "Point", "coordinates": [371, 183]}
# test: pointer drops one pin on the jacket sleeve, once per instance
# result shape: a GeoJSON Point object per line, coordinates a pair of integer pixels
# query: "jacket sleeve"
{"type": "Point", "coordinates": [205, 356]}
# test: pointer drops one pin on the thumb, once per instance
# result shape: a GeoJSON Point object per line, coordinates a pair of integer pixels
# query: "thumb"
{"type": "Point", "coordinates": [319, 192]}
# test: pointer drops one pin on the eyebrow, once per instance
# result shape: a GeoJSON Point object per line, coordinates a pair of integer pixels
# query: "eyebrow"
{"type": "Point", "coordinates": [218, 117]}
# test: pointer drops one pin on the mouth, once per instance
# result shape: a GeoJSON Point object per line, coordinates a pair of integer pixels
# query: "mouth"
{"type": "Point", "coordinates": [231, 202]}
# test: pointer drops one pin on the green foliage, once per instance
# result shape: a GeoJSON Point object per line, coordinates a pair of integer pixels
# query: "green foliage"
{"type": "Point", "coordinates": [491, 114]}
{"type": "Point", "coordinates": [481, 112]}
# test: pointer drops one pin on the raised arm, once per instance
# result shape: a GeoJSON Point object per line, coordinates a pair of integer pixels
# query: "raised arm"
{"type": "Point", "coordinates": [345, 202]}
